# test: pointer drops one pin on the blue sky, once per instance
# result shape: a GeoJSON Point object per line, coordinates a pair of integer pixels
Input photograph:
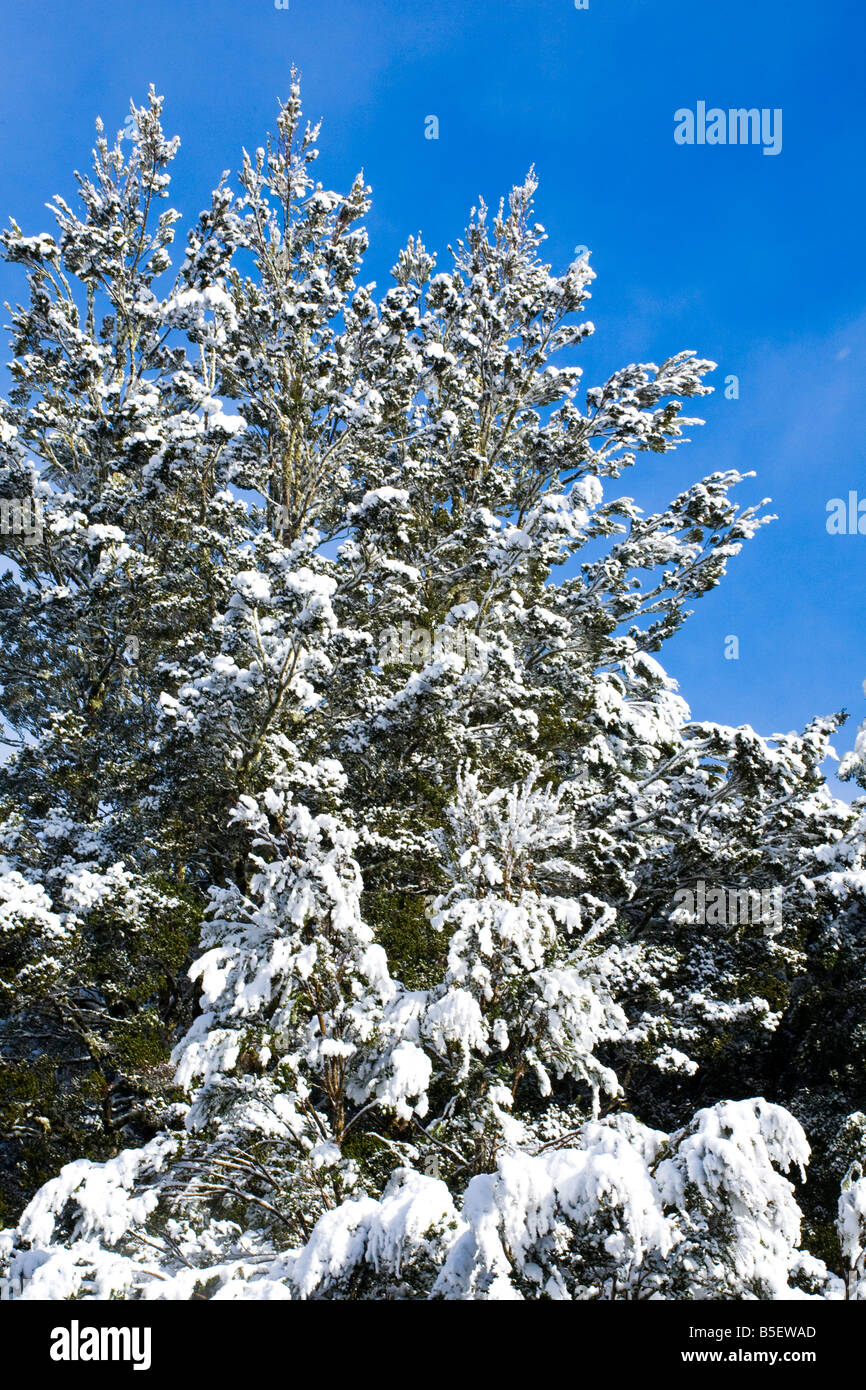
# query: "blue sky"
{"type": "Point", "coordinates": [754, 261]}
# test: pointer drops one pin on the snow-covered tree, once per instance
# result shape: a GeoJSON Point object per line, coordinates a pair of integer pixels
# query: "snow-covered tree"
{"type": "Point", "coordinates": [851, 1218]}
{"type": "Point", "coordinates": [467, 1029]}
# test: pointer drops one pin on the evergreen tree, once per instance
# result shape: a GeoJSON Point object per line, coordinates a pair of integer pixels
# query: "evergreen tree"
{"type": "Point", "coordinates": [467, 1027]}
